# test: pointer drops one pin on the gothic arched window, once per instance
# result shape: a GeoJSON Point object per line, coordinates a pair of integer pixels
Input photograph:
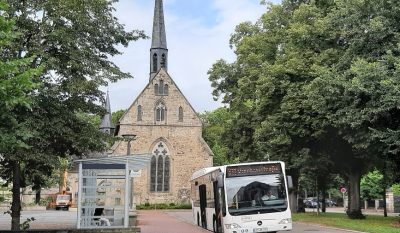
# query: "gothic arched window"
{"type": "Point", "coordinates": [165, 89]}
{"type": "Point", "coordinates": [163, 61]}
{"type": "Point", "coordinates": [139, 113]}
{"type": "Point", "coordinates": [153, 169]}
{"type": "Point", "coordinates": [155, 62]}
{"type": "Point", "coordinates": [161, 90]}
{"type": "Point", "coordinates": [160, 168]}
{"type": "Point", "coordinates": [160, 112]}
{"type": "Point", "coordinates": [156, 89]}
{"type": "Point", "coordinates": [180, 116]}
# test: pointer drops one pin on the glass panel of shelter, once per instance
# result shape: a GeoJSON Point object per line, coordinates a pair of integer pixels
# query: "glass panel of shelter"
{"type": "Point", "coordinates": [103, 189]}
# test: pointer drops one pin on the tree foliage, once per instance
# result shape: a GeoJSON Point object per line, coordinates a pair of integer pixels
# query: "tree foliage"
{"type": "Point", "coordinates": [314, 84]}
{"type": "Point", "coordinates": [214, 124]}
{"type": "Point", "coordinates": [71, 43]}
{"type": "Point", "coordinates": [370, 188]}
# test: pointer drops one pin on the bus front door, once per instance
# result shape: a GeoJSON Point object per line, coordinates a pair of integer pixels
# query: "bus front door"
{"type": "Point", "coordinates": [203, 205]}
{"type": "Point", "coordinates": [217, 216]}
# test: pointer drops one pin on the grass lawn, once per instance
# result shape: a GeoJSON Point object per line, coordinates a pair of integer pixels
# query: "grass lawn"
{"type": "Point", "coordinates": [373, 223]}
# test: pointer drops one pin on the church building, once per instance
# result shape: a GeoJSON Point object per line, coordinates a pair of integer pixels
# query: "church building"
{"type": "Point", "coordinates": [162, 122]}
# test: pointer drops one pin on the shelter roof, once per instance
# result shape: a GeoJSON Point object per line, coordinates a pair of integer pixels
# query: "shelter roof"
{"type": "Point", "coordinates": [135, 162]}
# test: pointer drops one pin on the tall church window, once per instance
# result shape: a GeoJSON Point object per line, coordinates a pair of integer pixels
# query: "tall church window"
{"type": "Point", "coordinates": [160, 112]}
{"type": "Point", "coordinates": [160, 168]}
{"type": "Point", "coordinates": [156, 89]}
{"type": "Point", "coordinates": [165, 89]}
{"type": "Point", "coordinates": [155, 62]}
{"type": "Point", "coordinates": [180, 116]}
{"type": "Point", "coordinates": [163, 61]}
{"type": "Point", "coordinates": [160, 175]}
{"type": "Point", "coordinates": [153, 169]}
{"type": "Point", "coordinates": [139, 113]}
{"type": "Point", "coordinates": [167, 163]}
{"type": "Point", "coordinates": [161, 88]}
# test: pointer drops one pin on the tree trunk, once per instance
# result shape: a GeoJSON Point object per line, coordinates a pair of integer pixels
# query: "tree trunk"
{"type": "Point", "coordinates": [37, 197]}
{"type": "Point", "coordinates": [293, 202]}
{"type": "Point", "coordinates": [354, 207]}
{"type": "Point", "coordinates": [384, 203]}
{"type": "Point", "coordinates": [294, 191]}
{"type": "Point", "coordinates": [16, 201]}
{"type": "Point", "coordinates": [384, 184]}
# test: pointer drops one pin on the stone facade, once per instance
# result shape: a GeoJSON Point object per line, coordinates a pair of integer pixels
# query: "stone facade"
{"type": "Point", "coordinates": [165, 124]}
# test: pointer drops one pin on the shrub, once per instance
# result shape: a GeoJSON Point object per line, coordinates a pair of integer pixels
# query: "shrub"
{"type": "Point", "coordinates": [45, 201]}
{"type": "Point", "coordinates": [163, 206]}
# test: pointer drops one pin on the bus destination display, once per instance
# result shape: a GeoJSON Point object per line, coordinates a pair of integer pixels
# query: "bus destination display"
{"type": "Point", "coordinates": [253, 170]}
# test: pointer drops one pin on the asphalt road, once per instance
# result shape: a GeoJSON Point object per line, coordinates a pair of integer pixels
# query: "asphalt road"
{"type": "Point", "coordinates": [51, 219]}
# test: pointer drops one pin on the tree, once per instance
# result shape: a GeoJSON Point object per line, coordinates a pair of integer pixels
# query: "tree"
{"type": "Point", "coordinates": [15, 86]}
{"type": "Point", "coordinates": [117, 115]}
{"type": "Point", "coordinates": [370, 188]}
{"type": "Point", "coordinates": [358, 93]}
{"type": "Point", "coordinates": [266, 86]}
{"type": "Point", "coordinates": [214, 124]}
{"type": "Point", "coordinates": [72, 41]}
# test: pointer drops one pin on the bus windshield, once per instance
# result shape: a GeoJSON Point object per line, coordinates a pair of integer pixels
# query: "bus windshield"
{"type": "Point", "coordinates": [256, 194]}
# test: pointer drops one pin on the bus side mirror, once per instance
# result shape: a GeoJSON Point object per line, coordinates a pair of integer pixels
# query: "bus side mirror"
{"type": "Point", "coordinates": [220, 180]}
{"type": "Point", "coordinates": [289, 182]}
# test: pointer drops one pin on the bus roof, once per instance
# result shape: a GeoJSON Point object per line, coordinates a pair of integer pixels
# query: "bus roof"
{"type": "Point", "coordinates": [203, 171]}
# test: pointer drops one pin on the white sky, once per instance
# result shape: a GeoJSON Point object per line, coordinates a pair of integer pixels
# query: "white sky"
{"type": "Point", "coordinates": [198, 33]}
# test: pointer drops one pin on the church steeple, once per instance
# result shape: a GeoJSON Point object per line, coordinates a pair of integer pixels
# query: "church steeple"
{"type": "Point", "coordinates": [106, 125]}
{"type": "Point", "coordinates": [158, 51]}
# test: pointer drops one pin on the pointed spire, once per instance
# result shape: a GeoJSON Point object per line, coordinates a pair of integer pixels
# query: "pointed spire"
{"type": "Point", "coordinates": [159, 39]}
{"type": "Point", "coordinates": [158, 50]}
{"type": "Point", "coordinates": [106, 125]}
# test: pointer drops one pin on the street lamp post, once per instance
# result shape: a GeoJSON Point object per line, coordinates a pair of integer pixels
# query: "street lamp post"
{"type": "Point", "coordinates": [130, 137]}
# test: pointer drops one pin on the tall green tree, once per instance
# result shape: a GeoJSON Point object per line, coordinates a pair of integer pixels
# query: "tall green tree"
{"type": "Point", "coordinates": [72, 41]}
{"type": "Point", "coordinates": [16, 85]}
{"type": "Point", "coordinates": [117, 115]}
{"type": "Point", "coordinates": [359, 94]}
{"type": "Point", "coordinates": [266, 86]}
{"type": "Point", "coordinates": [214, 124]}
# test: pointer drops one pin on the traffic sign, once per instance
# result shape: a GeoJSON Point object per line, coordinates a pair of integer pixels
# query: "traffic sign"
{"type": "Point", "coordinates": [343, 190]}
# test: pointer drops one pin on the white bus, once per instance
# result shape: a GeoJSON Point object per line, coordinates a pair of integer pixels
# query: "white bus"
{"type": "Point", "coordinates": [241, 198]}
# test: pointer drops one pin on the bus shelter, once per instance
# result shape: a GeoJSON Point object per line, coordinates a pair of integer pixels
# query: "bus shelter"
{"type": "Point", "coordinates": [104, 183]}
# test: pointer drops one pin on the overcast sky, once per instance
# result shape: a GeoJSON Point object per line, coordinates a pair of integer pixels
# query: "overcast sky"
{"type": "Point", "coordinates": [198, 33]}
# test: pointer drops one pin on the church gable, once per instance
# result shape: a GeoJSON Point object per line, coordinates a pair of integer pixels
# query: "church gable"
{"type": "Point", "coordinates": [161, 103]}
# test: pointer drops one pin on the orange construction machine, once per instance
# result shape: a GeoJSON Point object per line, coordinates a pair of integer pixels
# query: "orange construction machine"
{"type": "Point", "coordinates": [64, 198]}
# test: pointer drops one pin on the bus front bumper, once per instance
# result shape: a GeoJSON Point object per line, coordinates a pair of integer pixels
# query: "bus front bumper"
{"type": "Point", "coordinates": [279, 227]}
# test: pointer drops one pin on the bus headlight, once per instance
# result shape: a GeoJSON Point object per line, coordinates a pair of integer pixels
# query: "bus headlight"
{"type": "Point", "coordinates": [286, 221]}
{"type": "Point", "coordinates": [231, 226]}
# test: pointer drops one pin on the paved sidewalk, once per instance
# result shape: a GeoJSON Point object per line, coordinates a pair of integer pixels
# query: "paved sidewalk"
{"type": "Point", "coordinates": [166, 221]}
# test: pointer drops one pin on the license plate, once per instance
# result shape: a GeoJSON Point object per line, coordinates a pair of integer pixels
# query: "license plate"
{"type": "Point", "coordinates": [260, 229]}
